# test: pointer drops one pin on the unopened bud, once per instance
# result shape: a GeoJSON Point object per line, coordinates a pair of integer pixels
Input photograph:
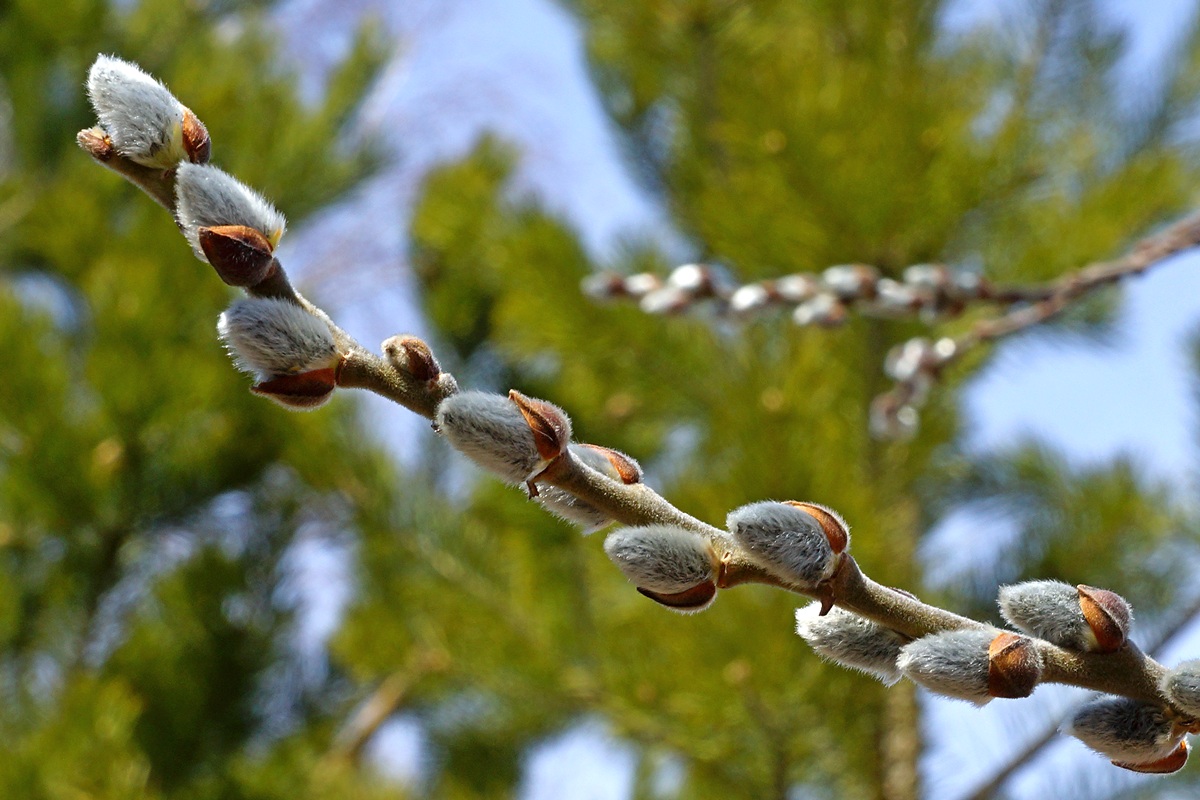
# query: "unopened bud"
{"type": "Point", "coordinates": [1182, 687]}
{"type": "Point", "coordinates": [951, 663]}
{"type": "Point", "coordinates": [1125, 730]}
{"type": "Point", "coordinates": [208, 197]}
{"type": "Point", "coordinates": [852, 641]}
{"type": "Point", "coordinates": [241, 256]}
{"type": "Point", "coordinates": [412, 356]}
{"type": "Point", "coordinates": [1014, 666]}
{"type": "Point", "coordinates": [802, 543]}
{"type": "Point", "coordinates": [612, 464]}
{"type": "Point", "coordinates": [142, 118]}
{"type": "Point", "coordinates": [272, 337]}
{"type": "Point", "coordinates": [671, 566]}
{"type": "Point", "coordinates": [515, 439]}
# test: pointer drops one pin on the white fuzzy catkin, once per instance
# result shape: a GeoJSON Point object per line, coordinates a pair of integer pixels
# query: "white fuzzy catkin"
{"type": "Point", "coordinates": [661, 558]}
{"type": "Point", "coordinates": [490, 430]}
{"type": "Point", "coordinates": [563, 504]}
{"type": "Point", "coordinates": [1048, 610]}
{"type": "Point", "coordinates": [951, 663]}
{"type": "Point", "coordinates": [849, 640]}
{"type": "Point", "coordinates": [1124, 730]}
{"type": "Point", "coordinates": [142, 118]}
{"type": "Point", "coordinates": [269, 336]}
{"type": "Point", "coordinates": [1182, 686]}
{"type": "Point", "coordinates": [207, 196]}
{"type": "Point", "coordinates": [785, 540]}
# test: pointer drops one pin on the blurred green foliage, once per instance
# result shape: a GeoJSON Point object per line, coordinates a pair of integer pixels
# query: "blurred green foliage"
{"type": "Point", "coordinates": [151, 510]}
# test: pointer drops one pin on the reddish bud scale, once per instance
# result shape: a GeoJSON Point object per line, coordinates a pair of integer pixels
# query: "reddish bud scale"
{"type": "Point", "coordinates": [835, 528]}
{"type": "Point", "coordinates": [1163, 766]}
{"type": "Point", "coordinates": [696, 598]}
{"type": "Point", "coordinates": [196, 143]}
{"type": "Point", "coordinates": [624, 467]}
{"type": "Point", "coordinates": [241, 256]}
{"type": "Point", "coordinates": [303, 391]}
{"type": "Point", "coordinates": [1014, 666]}
{"type": "Point", "coordinates": [412, 355]}
{"type": "Point", "coordinates": [1107, 614]}
{"type": "Point", "coordinates": [551, 433]}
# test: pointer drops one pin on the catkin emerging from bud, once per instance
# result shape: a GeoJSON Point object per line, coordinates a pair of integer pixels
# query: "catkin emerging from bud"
{"type": "Point", "coordinates": [670, 565]}
{"type": "Point", "coordinates": [140, 115]}
{"type": "Point", "coordinates": [493, 431]}
{"type": "Point", "coordinates": [1080, 618]}
{"type": "Point", "coordinates": [952, 663]}
{"type": "Point", "coordinates": [789, 540]}
{"type": "Point", "coordinates": [208, 197]}
{"type": "Point", "coordinates": [852, 641]}
{"type": "Point", "coordinates": [1182, 687]}
{"type": "Point", "coordinates": [612, 464]}
{"type": "Point", "coordinates": [1125, 730]}
{"type": "Point", "coordinates": [269, 337]}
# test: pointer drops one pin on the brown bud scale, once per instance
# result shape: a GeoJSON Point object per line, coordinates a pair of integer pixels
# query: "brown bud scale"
{"type": "Point", "coordinates": [692, 599]}
{"type": "Point", "coordinates": [195, 138]}
{"type": "Point", "coordinates": [550, 432]}
{"type": "Point", "coordinates": [240, 255]}
{"type": "Point", "coordinates": [1107, 614]}
{"type": "Point", "coordinates": [1014, 666]}
{"type": "Point", "coordinates": [1163, 766]}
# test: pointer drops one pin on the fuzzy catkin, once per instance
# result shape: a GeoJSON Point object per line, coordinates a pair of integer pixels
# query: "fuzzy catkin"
{"type": "Point", "coordinates": [207, 196]}
{"type": "Point", "coordinates": [490, 430]}
{"type": "Point", "coordinates": [785, 540]}
{"type": "Point", "coordinates": [1048, 610]}
{"type": "Point", "coordinates": [1124, 730]}
{"type": "Point", "coordinates": [1182, 686]}
{"type": "Point", "coordinates": [142, 118]}
{"type": "Point", "coordinates": [661, 558]}
{"type": "Point", "coordinates": [951, 663]}
{"type": "Point", "coordinates": [852, 641]}
{"type": "Point", "coordinates": [269, 336]}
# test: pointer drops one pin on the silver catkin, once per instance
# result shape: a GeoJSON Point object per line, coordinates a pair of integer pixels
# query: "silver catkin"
{"type": "Point", "coordinates": [661, 558]}
{"type": "Point", "coordinates": [490, 430]}
{"type": "Point", "coordinates": [852, 641]}
{"type": "Point", "coordinates": [142, 118]}
{"type": "Point", "coordinates": [783, 539]}
{"type": "Point", "coordinates": [270, 336]}
{"type": "Point", "coordinates": [207, 196]}
{"type": "Point", "coordinates": [952, 663]}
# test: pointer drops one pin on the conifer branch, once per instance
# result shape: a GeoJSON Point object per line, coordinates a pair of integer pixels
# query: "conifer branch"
{"type": "Point", "coordinates": [299, 357]}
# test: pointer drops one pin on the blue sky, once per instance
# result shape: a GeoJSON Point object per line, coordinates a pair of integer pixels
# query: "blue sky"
{"type": "Point", "coordinates": [517, 67]}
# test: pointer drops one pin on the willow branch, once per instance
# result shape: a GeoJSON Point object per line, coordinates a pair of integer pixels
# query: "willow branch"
{"type": "Point", "coordinates": [407, 373]}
